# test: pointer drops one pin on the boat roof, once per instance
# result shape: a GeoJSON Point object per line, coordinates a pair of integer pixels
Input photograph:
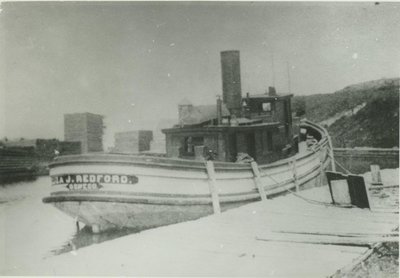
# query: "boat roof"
{"type": "Point", "coordinates": [269, 97]}
{"type": "Point", "coordinates": [220, 128]}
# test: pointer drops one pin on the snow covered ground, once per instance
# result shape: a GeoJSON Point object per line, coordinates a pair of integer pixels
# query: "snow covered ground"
{"type": "Point", "coordinates": [347, 113]}
{"type": "Point", "coordinates": [218, 245]}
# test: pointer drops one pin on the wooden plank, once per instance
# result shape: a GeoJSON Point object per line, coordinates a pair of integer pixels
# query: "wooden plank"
{"type": "Point", "coordinates": [358, 191]}
{"type": "Point", "coordinates": [257, 180]}
{"type": "Point", "coordinates": [366, 241]}
{"type": "Point", "coordinates": [340, 191]}
{"type": "Point", "coordinates": [213, 187]}
{"type": "Point", "coordinates": [383, 186]}
{"type": "Point", "coordinates": [392, 234]}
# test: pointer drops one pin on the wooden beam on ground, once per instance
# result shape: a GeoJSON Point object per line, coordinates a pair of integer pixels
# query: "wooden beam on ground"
{"type": "Point", "coordinates": [213, 187]}
{"type": "Point", "coordinates": [392, 234]}
{"type": "Point", "coordinates": [362, 241]}
{"type": "Point", "coordinates": [257, 180]}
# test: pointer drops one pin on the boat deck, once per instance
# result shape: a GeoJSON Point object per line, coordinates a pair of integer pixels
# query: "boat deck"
{"type": "Point", "coordinates": [283, 237]}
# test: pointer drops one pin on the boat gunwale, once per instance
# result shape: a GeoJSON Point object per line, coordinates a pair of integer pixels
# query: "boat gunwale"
{"type": "Point", "coordinates": [205, 199]}
{"type": "Point", "coordinates": [198, 166]}
{"type": "Point", "coordinates": [229, 166]}
{"type": "Point", "coordinates": [300, 162]}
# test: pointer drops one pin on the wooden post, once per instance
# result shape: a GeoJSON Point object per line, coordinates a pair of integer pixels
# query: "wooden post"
{"type": "Point", "coordinates": [376, 175]}
{"type": "Point", "coordinates": [213, 187]}
{"type": "Point", "coordinates": [77, 224]}
{"type": "Point", "coordinates": [321, 166]}
{"type": "Point", "coordinates": [294, 171]}
{"type": "Point", "coordinates": [333, 165]}
{"type": "Point", "coordinates": [257, 180]}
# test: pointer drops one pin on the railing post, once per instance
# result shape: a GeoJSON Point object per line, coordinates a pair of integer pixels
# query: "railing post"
{"type": "Point", "coordinates": [212, 183]}
{"type": "Point", "coordinates": [321, 166]}
{"type": "Point", "coordinates": [333, 165]}
{"type": "Point", "coordinates": [294, 171]}
{"type": "Point", "coordinates": [257, 180]}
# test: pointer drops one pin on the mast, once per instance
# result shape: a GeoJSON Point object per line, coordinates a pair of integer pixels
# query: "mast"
{"type": "Point", "coordinates": [272, 67]}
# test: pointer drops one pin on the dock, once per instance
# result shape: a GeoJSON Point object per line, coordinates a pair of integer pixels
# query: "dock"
{"type": "Point", "coordinates": [290, 236]}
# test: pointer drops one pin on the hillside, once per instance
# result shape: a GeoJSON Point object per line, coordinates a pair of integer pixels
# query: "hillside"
{"type": "Point", "coordinates": [360, 115]}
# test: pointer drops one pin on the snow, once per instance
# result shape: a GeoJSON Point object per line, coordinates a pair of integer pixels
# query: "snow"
{"type": "Point", "coordinates": [218, 245]}
{"type": "Point", "coordinates": [389, 176]}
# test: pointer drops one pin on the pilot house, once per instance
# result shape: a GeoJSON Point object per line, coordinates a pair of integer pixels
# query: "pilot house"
{"type": "Point", "coordinates": [259, 126]}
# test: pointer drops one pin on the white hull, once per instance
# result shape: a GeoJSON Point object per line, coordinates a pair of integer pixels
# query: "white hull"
{"type": "Point", "coordinates": [115, 191]}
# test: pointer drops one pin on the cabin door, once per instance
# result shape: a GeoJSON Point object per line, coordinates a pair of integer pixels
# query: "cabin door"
{"type": "Point", "coordinates": [251, 144]}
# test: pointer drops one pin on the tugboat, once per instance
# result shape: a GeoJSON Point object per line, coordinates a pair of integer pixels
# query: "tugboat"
{"type": "Point", "coordinates": [241, 150]}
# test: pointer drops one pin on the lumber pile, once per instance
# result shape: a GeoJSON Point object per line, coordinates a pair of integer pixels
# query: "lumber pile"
{"type": "Point", "coordinates": [86, 128]}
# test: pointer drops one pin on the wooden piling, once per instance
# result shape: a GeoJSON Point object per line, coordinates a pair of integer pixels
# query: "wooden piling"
{"type": "Point", "coordinates": [213, 187]}
{"type": "Point", "coordinates": [257, 180]}
{"type": "Point", "coordinates": [376, 175]}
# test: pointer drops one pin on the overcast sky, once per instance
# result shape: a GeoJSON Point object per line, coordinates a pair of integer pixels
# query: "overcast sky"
{"type": "Point", "coordinates": [133, 62]}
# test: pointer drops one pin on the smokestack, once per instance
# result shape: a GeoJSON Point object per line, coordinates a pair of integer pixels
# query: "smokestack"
{"type": "Point", "coordinates": [231, 86]}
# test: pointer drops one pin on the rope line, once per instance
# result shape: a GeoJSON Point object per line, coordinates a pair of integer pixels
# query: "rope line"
{"type": "Point", "coordinates": [314, 202]}
{"type": "Point", "coordinates": [339, 164]}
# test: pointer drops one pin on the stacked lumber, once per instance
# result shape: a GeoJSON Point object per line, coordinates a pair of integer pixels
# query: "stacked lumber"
{"type": "Point", "coordinates": [17, 165]}
{"type": "Point", "coordinates": [86, 128]}
{"type": "Point", "coordinates": [94, 132]}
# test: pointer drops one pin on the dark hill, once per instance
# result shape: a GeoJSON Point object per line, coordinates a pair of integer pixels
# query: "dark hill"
{"type": "Point", "coordinates": [376, 124]}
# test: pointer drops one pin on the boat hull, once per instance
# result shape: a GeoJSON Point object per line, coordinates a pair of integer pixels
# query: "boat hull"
{"type": "Point", "coordinates": [108, 215]}
{"type": "Point", "coordinates": [118, 191]}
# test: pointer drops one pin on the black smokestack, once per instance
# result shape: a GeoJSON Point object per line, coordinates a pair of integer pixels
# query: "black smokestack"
{"type": "Point", "coordinates": [231, 87]}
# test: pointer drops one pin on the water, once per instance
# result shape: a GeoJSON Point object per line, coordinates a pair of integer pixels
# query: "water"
{"type": "Point", "coordinates": [31, 230]}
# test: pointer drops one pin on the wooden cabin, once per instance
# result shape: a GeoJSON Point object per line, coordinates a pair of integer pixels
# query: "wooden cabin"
{"type": "Point", "coordinates": [257, 125]}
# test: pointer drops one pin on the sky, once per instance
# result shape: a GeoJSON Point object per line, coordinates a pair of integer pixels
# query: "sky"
{"type": "Point", "coordinates": [133, 62]}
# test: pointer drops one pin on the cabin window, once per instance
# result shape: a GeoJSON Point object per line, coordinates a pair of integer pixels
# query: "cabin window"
{"type": "Point", "coordinates": [190, 143]}
{"type": "Point", "coordinates": [266, 106]}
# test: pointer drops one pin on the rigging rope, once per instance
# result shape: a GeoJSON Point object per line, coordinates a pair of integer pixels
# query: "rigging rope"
{"type": "Point", "coordinates": [314, 202]}
{"type": "Point", "coordinates": [336, 162]}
